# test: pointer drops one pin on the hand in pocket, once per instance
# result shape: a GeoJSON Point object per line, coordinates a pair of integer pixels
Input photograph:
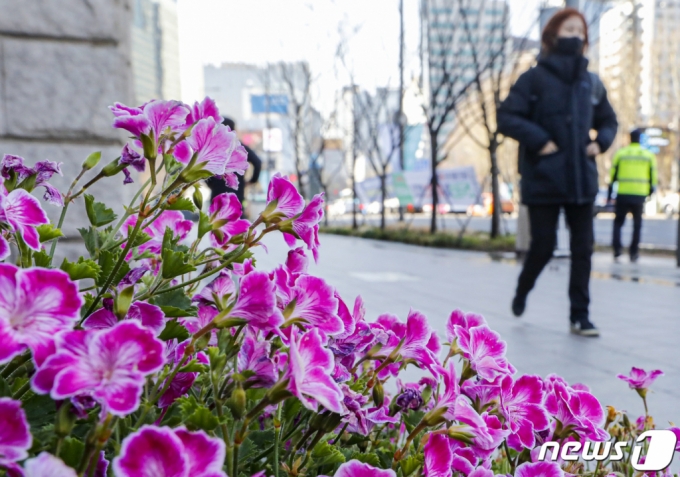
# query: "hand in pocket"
{"type": "Point", "coordinates": [549, 148]}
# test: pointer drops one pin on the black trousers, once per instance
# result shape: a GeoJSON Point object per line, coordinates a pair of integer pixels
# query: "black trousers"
{"type": "Point", "coordinates": [624, 206]}
{"type": "Point", "coordinates": [543, 223]}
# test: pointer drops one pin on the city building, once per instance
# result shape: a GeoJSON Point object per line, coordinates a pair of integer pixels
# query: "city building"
{"type": "Point", "coordinates": [155, 50]}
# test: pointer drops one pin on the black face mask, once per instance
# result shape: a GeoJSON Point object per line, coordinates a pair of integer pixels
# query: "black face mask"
{"type": "Point", "coordinates": [569, 46]}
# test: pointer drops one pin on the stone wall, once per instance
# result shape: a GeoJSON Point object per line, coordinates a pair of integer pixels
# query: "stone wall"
{"type": "Point", "coordinates": [62, 63]}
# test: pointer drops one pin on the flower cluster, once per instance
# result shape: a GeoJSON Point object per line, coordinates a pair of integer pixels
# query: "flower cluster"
{"type": "Point", "coordinates": [165, 352]}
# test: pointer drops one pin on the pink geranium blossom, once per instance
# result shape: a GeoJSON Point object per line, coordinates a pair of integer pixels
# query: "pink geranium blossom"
{"type": "Point", "coordinates": [182, 381]}
{"type": "Point", "coordinates": [256, 302]}
{"type": "Point", "coordinates": [355, 468]}
{"type": "Point", "coordinates": [161, 451]}
{"type": "Point", "coordinates": [464, 321]}
{"type": "Point", "coordinates": [438, 456]}
{"type": "Point", "coordinates": [152, 119]}
{"type": "Point", "coordinates": [150, 316]}
{"type": "Point", "coordinates": [254, 357]}
{"type": "Point", "coordinates": [47, 465]}
{"type": "Point", "coordinates": [310, 366]}
{"type": "Point", "coordinates": [35, 304]}
{"type": "Point", "coordinates": [639, 378]}
{"type": "Point", "coordinates": [297, 261]}
{"type": "Point", "coordinates": [205, 109]}
{"type": "Point", "coordinates": [539, 469]}
{"type": "Point", "coordinates": [225, 217]}
{"type": "Point", "coordinates": [15, 437]}
{"type": "Point", "coordinates": [110, 365]}
{"type": "Point", "coordinates": [485, 350]}
{"type": "Point", "coordinates": [13, 168]}
{"type": "Point", "coordinates": [576, 410]}
{"type": "Point", "coordinates": [487, 430]}
{"type": "Point", "coordinates": [23, 213]}
{"type": "Point", "coordinates": [305, 226]}
{"type": "Point", "coordinates": [522, 406]}
{"type": "Point", "coordinates": [218, 292]}
{"type": "Point", "coordinates": [172, 219]}
{"type": "Point", "coordinates": [283, 199]}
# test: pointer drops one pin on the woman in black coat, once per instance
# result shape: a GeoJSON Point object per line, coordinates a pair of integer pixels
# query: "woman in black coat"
{"type": "Point", "coordinates": [551, 111]}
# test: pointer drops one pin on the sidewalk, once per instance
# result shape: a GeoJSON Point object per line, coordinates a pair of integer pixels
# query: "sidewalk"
{"type": "Point", "coordinates": [635, 306]}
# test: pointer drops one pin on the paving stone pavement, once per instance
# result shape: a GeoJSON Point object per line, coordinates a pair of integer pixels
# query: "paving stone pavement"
{"type": "Point", "coordinates": [636, 308]}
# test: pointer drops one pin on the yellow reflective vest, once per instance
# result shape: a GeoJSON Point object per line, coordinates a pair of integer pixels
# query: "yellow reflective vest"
{"type": "Point", "coordinates": [634, 168]}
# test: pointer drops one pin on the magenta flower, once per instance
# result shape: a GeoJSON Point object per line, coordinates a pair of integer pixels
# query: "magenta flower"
{"type": "Point", "coordinates": [355, 468]}
{"type": "Point", "coordinates": [151, 119]}
{"type": "Point", "coordinates": [213, 147]}
{"type": "Point", "coordinates": [482, 393]}
{"type": "Point", "coordinates": [23, 212]}
{"type": "Point", "coordinates": [539, 469]}
{"type": "Point", "coordinates": [675, 431]}
{"type": "Point", "coordinates": [297, 261]}
{"type": "Point", "coordinates": [15, 437]}
{"type": "Point", "coordinates": [485, 350]}
{"type": "Point", "coordinates": [164, 452]}
{"type": "Point", "coordinates": [487, 429]}
{"type": "Point", "coordinates": [463, 320]}
{"type": "Point", "coordinates": [283, 199]}
{"type": "Point", "coordinates": [13, 167]}
{"type": "Point", "coordinates": [577, 411]}
{"type": "Point", "coordinates": [256, 302]}
{"type": "Point", "coordinates": [130, 157]}
{"type": "Point", "coordinates": [310, 366]}
{"type": "Point", "coordinates": [254, 357]}
{"type": "Point", "coordinates": [306, 226]}
{"type": "Point", "coordinates": [640, 379]}
{"type": "Point", "coordinates": [225, 216]}
{"type": "Point", "coordinates": [172, 219]}
{"type": "Point", "coordinates": [450, 392]}
{"type": "Point", "coordinates": [203, 318]}
{"type": "Point", "coordinates": [414, 339]}
{"type": "Point", "coordinates": [217, 292]}
{"type": "Point", "coordinates": [36, 304]}
{"type": "Point", "coordinates": [205, 109]}
{"type": "Point", "coordinates": [522, 406]}
{"type": "Point", "coordinates": [47, 465]}
{"type": "Point", "coordinates": [481, 472]}
{"type": "Point", "coordinates": [438, 456]}
{"type": "Point", "coordinates": [110, 365]}
{"type": "Point", "coordinates": [313, 302]}
{"type": "Point", "coordinates": [183, 381]}
{"type": "Point", "coordinates": [150, 316]}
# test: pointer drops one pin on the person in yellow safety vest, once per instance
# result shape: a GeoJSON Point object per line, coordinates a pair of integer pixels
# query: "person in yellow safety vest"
{"type": "Point", "coordinates": [634, 169]}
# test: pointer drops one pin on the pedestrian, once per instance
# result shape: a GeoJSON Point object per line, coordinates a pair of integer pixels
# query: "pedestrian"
{"type": "Point", "coordinates": [218, 186]}
{"type": "Point", "coordinates": [634, 169]}
{"type": "Point", "coordinates": [550, 111]}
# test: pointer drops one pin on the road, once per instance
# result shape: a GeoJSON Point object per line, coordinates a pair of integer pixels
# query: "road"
{"type": "Point", "coordinates": [660, 233]}
{"type": "Point", "coordinates": [635, 306]}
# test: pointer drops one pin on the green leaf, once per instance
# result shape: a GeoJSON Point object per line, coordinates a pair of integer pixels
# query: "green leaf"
{"type": "Point", "coordinates": [173, 312]}
{"type": "Point", "coordinates": [326, 454]}
{"type": "Point", "coordinates": [370, 459]}
{"type": "Point", "coordinates": [193, 366]}
{"type": "Point", "coordinates": [175, 264]}
{"type": "Point", "coordinates": [255, 443]}
{"type": "Point", "coordinates": [413, 418]}
{"type": "Point", "coordinates": [291, 408]}
{"type": "Point", "coordinates": [89, 299]}
{"type": "Point", "coordinates": [182, 203]}
{"type": "Point", "coordinates": [107, 260]}
{"type": "Point", "coordinates": [204, 225]}
{"type": "Point", "coordinates": [173, 329]}
{"type": "Point", "coordinates": [410, 464]}
{"type": "Point", "coordinates": [90, 239]}
{"type": "Point", "coordinates": [196, 416]}
{"type": "Point", "coordinates": [140, 239]}
{"type": "Point", "coordinates": [175, 298]}
{"type": "Point", "coordinates": [83, 268]}
{"type": "Point", "coordinates": [97, 212]}
{"type": "Point", "coordinates": [5, 390]}
{"type": "Point", "coordinates": [40, 410]}
{"type": "Point", "coordinates": [172, 165]}
{"type": "Point", "coordinates": [41, 259]}
{"type": "Point", "coordinates": [48, 232]}
{"type": "Point", "coordinates": [72, 451]}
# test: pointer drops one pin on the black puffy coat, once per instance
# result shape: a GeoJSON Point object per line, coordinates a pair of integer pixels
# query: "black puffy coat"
{"type": "Point", "coordinates": [555, 101]}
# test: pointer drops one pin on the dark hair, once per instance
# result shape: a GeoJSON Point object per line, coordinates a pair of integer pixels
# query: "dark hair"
{"type": "Point", "coordinates": [635, 135]}
{"type": "Point", "coordinates": [549, 35]}
{"type": "Point", "coordinates": [229, 122]}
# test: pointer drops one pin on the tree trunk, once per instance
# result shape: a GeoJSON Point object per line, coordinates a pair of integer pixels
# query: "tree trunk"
{"type": "Point", "coordinates": [495, 190]}
{"type": "Point", "coordinates": [434, 183]}
{"type": "Point", "coordinates": [383, 196]}
{"type": "Point", "coordinates": [298, 159]}
{"type": "Point", "coordinates": [354, 180]}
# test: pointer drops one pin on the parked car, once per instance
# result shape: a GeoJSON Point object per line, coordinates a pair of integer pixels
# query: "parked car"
{"type": "Point", "coordinates": [601, 204]}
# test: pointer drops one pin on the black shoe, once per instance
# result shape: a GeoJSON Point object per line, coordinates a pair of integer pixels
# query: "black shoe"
{"type": "Point", "coordinates": [617, 255]}
{"type": "Point", "coordinates": [634, 257]}
{"type": "Point", "coordinates": [519, 304]}
{"type": "Point", "coordinates": [584, 328]}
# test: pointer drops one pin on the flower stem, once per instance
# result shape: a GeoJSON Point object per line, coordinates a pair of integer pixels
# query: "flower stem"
{"type": "Point", "coordinates": [14, 364]}
{"type": "Point", "coordinates": [22, 390]}
{"type": "Point", "coordinates": [277, 439]}
{"type": "Point", "coordinates": [53, 248]}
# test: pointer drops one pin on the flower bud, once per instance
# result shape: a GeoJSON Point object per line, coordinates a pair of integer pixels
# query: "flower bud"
{"type": "Point", "coordinates": [237, 402]}
{"type": "Point", "coordinates": [198, 197]}
{"type": "Point", "coordinates": [435, 417]}
{"type": "Point", "coordinates": [460, 433]}
{"type": "Point", "coordinates": [66, 420]}
{"type": "Point", "coordinates": [325, 422]}
{"type": "Point", "coordinates": [92, 160]}
{"type": "Point", "coordinates": [378, 394]}
{"type": "Point", "coordinates": [123, 301]}
{"type": "Point", "coordinates": [112, 168]}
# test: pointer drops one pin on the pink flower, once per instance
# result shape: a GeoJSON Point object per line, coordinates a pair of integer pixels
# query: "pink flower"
{"type": "Point", "coordinates": [150, 316]}
{"type": "Point", "coordinates": [132, 158]}
{"type": "Point", "coordinates": [449, 395]}
{"type": "Point", "coordinates": [522, 406]}
{"type": "Point", "coordinates": [172, 219]}
{"type": "Point", "coordinates": [313, 302]}
{"type": "Point", "coordinates": [639, 378]}
{"type": "Point", "coordinates": [23, 213]}
{"type": "Point", "coordinates": [217, 292]}
{"type": "Point", "coordinates": [485, 350]}
{"type": "Point", "coordinates": [183, 381]}
{"type": "Point", "coordinates": [36, 304]}
{"type": "Point", "coordinates": [306, 226]}
{"type": "Point", "coordinates": [212, 147]}
{"type": "Point", "coordinates": [283, 199]}
{"type": "Point", "coordinates": [204, 317]}
{"type": "Point", "coordinates": [414, 338]}
{"type": "Point", "coordinates": [256, 302]}
{"type": "Point", "coordinates": [12, 167]}
{"type": "Point", "coordinates": [438, 456]}
{"type": "Point", "coordinates": [15, 437]}
{"type": "Point", "coordinates": [539, 469]}
{"type": "Point", "coordinates": [47, 465]}
{"type": "Point", "coordinates": [464, 320]}
{"type": "Point", "coordinates": [151, 119]}
{"type": "Point", "coordinates": [164, 452]}
{"type": "Point", "coordinates": [487, 429]}
{"type": "Point", "coordinates": [254, 357]}
{"type": "Point", "coordinates": [110, 365]}
{"type": "Point", "coordinates": [205, 109]}
{"type": "Point", "coordinates": [675, 431]}
{"type": "Point", "coordinates": [225, 216]}
{"type": "Point", "coordinates": [576, 410]}
{"type": "Point", "coordinates": [355, 468]}
{"type": "Point", "coordinates": [297, 261]}
{"type": "Point", "coordinates": [482, 393]}
{"type": "Point", "coordinates": [309, 372]}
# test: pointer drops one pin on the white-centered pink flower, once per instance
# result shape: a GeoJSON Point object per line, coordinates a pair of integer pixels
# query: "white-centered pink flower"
{"type": "Point", "coordinates": [15, 437]}
{"type": "Point", "coordinates": [23, 213]}
{"type": "Point", "coordinates": [35, 305]}
{"type": "Point", "coordinates": [109, 365]}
